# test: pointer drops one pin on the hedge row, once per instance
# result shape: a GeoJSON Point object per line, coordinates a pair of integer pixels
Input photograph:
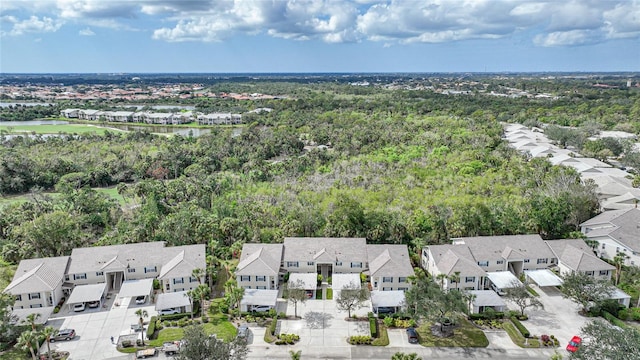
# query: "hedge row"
{"type": "Point", "coordinates": [373, 326]}
{"type": "Point", "coordinates": [489, 315]}
{"type": "Point", "coordinates": [614, 320]}
{"type": "Point", "coordinates": [523, 330]}
{"type": "Point", "coordinates": [152, 327]}
{"type": "Point", "coordinates": [175, 316]}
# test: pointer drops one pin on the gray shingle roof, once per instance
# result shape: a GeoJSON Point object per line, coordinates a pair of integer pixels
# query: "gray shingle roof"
{"type": "Point", "coordinates": [389, 260]}
{"type": "Point", "coordinates": [577, 255]}
{"type": "Point", "coordinates": [491, 248]}
{"type": "Point", "coordinates": [36, 275]}
{"type": "Point", "coordinates": [620, 225]}
{"type": "Point", "coordinates": [262, 259]}
{"type": "Point", "coordinates": [325, 249]}
{"type": "Point", "coordinates": [190, 257]}
{"type": "Point", "coordinates": [450, 259]}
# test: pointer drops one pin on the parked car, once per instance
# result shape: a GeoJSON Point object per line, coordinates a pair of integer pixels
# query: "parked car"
{"type": "Point", "coordinates": [141, 299]}
{"type": "Point", "coordinates": [78, 307]}
{"type": "Point", "coordinates": [170, 348]}
{"type": "Point", "coordinates": [64, 334]}
{"type": "Point", "coordinates": [574, 344]}
{"type": "Point", "coordinates": [309, 294]}
{"type": "Point", "coordinates": [412, 335]}
{"type": "Point", "coordinates": [93, 304]}
{"type": "Point", "coordinates": [386, 310]}
{"type": "Point", "coordinates": [243, 331]}
{"type": "Point", "coordinates": [142, 354]}
{"type": "Point", "coordinates": [169, 311]}
{"type": "Point", "coordinates": [498, 290]}
{"type": "Point", "coordinates": [261, 308]}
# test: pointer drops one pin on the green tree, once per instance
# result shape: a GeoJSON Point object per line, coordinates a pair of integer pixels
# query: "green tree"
{"type": "Point", "coordinates": [351, 297]}
{"type": "Point", "coordinates": [618, 262]}
{"type": "Point", "coordinates": [31, 320]}
{"type": "Point", "coordinates": [202, 347]}
{"type": "Point", "coordinates": [297, 294]}
{"type": "Point", "coordinates": [519, 295]}
{"type": "Point", "coordinates": [8, 331]}
{"type": "Point", "coordinates": [585, 290]}
{"type": "Point", "coordinates": [142, 314]}
{"type": "Point", "coordinates": [28, 341]}
{"type": "Point", "coordinates": [295, 355]}
{"type": "Point", "coordinates": [48, 332]}
{"type": "Point", "coordinates": [608, 342]}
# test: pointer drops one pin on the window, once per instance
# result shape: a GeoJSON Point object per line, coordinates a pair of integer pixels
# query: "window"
{"type": "Point", "coordinates": [526, 261]}
{"type": "Point", "coordinates": [247, 287]}
{"type": "Point", "coordinates": [356, 264]}
{"type": "Point", "coordinates": [500, 262]}
{"type": "Point", "coordinates": [261, 278]}
{"type": "Point", "coordinates": [425, 253]}
{"type": "Point", "coordinates": [18, 297]}
{"type": "Point", "coordinates": [178, 281]}
{"type": "Point", "coordinates": [590, 273]}
{"type": "Point", "coordinates": [386, 289]}
{"type": "Point", "coordinates": [309, 263]}
{"type": "Point", "coordinates": [79, 276]}
{"type": "Point", "coordinates": [149, 269]}
{"type": "Point", "coordinates": [483, 263]}
{"type": "Point", "coordinates": [99, 273]}
{"type": "Point", "coordinates": [261, 287]}
{"type": "Point", "coordinates": [603, 245]}
{"type": "Point", "coordinates": [402, 279]}
{"type": "Point", "coordinates": [292, 264]}
{"type": "Point", "coordinates": [35, 306]}
{"type": "Point", "coordinates": [245, 277]}
{"type": "Point", "coordinates": [604, 272]}
{"type": "Point", "coordinates": [131, 270]}
{"type": "Point", "coordinates": [193, 279]}
{"type": "Point", "coordinates": [470, 279]}
{"type": "Point", "coordinates": [66, 278]}
{"type": "Point", "coordinates": [543, 261]}
{"type": "Point", "coordinates": [33, 296]}
{"type": "Point", "coordinates": [387, 279]}
{"type": "Point", "coordinates": [403, 289]}
{"type": "Point", "coordinates": [338, 263]}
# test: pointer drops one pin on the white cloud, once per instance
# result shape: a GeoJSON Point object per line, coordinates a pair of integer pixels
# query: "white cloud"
{"type": "Point", "coordinates": [86, 32]}
{"type": "Point", "coordinates": [623, 21]}
{"type": "Point", "coordinates": [33, 24]}
{"type": "Point", "coordinates": [565, 38]}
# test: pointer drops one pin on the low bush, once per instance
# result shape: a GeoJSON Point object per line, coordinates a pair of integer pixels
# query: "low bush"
{"type": "Point", "coordinates": [388, 321]}
{"type": "Point", "coordinates": [126, 343]}
{"type": "Point", "coordinates": [205, 319]}
{"type": "Point", "coordinates": [152, 327]}
{"type": "Point", "coordinates": [182, 323]}
{"type": "Point", "coordinates": [174, 316]}
{"type": "Point", "coordinates": [614, 320]}
{"type": "Point", "coordinates": [383, 337]}
{"type": "Point", "coordinates": [56, 309]}
{"type": "Point", "coordinates": [487, 315]}
{"type": "Point", "coordinates": [373, 327]}
{"type": "Point", "coordinates": [287, 339]}
{"type": "Point", "coordinates": [360, 340]}
{"type": "Point", "coordinates": [523, 330]}
{"type": "Point", "coordinates": [268, 335]}
{"type": "Point", "coordinates": [629, 314]}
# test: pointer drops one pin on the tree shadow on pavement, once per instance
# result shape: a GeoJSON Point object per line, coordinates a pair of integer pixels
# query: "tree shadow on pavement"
{"type": "Point", "coordinates": [317, 320]}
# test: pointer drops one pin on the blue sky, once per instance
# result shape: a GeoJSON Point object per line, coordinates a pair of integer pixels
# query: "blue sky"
{"type": "Point", "coordinates": [318, 36]}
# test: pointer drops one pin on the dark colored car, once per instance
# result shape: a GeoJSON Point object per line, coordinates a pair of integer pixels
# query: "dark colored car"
{"type": "Point", "coordinates": [64, 334]}
{"type": "Point", "coordinates": [386, 310]}
{"type": "Point", "coordinates": [574, 344]}
{"type": "Point", "coordinates": [412, 335]}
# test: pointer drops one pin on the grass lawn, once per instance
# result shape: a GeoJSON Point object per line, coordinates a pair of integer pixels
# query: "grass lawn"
{"type": "Point", "coordinates": [466, 335]}
{"type": "Point", "coordinates": [54, 129]}
{"type": "Point", "coordinates": [15, 354]}
{"type": "Point", "coordinates": [383, 337]}
{"type": "Point", "coordinates": [218, 325]}
{"type": "Point", "coordinates": [329, 294]}
{"type": "Point", "coordinates": [517, 337]}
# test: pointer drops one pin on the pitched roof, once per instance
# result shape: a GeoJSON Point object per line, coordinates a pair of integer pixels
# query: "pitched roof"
{"type": "Point", "coordinates": [577, 255]}
{"type": "Point", "coordinates": [325, 249]}
{"type": "Point", "coordinates": [450, 259]}
{"type": "Point", "coordinates": [389, 260]}
{"type": "Point", "coordinates": [489, 248]}
{"type": "Point", "coordinates": [620, 225]}
{"type": "Point", "coordinates": [263, 259]}
{"type": "Point", "coordinates": [190, 257]}
{"type": "Point", "coordinates": [172, 300]}
{"type": "Point", "coordinates": [35, 275]}
{"type": "Point", "coordinates": [604, 218]}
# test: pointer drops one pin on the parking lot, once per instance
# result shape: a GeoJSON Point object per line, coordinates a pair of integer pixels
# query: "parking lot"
{"type": "Point", "coordinates": [95, 327]}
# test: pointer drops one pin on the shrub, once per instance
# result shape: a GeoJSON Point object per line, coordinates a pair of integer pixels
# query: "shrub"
{"type": "Point", "coordinates": [56, 309]}
{"type": "Point", "coordinates": [159, 325]}
{"type": "Point", "coordinates": [373, 326]}
{"type": "Point", "coordinates": [488, 315]}
{"type": "Point", "coordinates": [152, 327]}
{"type": "Point", "coordinates": [182, 323]}
{"type": "Point", "coordinates": [388, 321]}
{"type": "Point", "coordinates": [174, 316]}
{"type": "Point", "coordinates": [268, 335]}
{"type": "Point", "coordinates": [287, 339]}
{"type": "Point", "coordinates": [612, 319]}
{"type": "Point", "coordinates": [629, 314]}
{"type": "Point", "coordinates": [205, 319]}
{"type": "Point", "coordinates": [360, 340]}
{"type": "Point", "coordinates": [126, 343]}
{"type": "Point", "coordinates": [523, 330]}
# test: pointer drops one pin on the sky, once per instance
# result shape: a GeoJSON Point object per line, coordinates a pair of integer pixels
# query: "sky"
{"type": "Point", "coordinates": [297, 36]}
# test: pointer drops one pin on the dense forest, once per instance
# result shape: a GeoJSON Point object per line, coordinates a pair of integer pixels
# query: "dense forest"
{"type": "Point", "coordinates": [395, 166]}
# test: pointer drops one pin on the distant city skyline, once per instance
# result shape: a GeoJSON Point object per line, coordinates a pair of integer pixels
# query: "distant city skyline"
{"type": "Point", "coordinates": [274, 36]}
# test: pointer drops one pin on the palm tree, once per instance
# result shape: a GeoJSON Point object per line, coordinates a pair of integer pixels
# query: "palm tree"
{"type": "Point", "coordinates": [295, 355]}
{"type": "Point", "coordinates": [48, 332]}
{"type": "Point", "coordinates": [198, 273]}
{"type": "Point", "coordinates": [455, 277]}
{"type": "Point", "coordinates": [202, 292]}
{"type": "Point", "coordinates": [441, 277]}
{"type": "Point", "coordinates": [142, 314]}
{"type": "Point", "coordinates": [31, 320]}
{"type": "Point", "coordinates": [192, 294]}
{"type": "Point", "coordinates": [618, 262]}
{"type": "Point", "coordinates": [26, 341]}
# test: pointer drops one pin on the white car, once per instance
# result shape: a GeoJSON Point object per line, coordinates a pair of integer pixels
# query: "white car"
{"type": "Point", "coordinates": [261, 308]}
{"type": "Point", "coordinates": [169, 311]}
{"type": "Point", "coordinates": [140, 299]}
{"type": "Point", "coordinates": [78, 307]}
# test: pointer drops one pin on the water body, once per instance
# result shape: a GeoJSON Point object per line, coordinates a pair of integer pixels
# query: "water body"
{"type": "Point", "coordinates": [7, 104]}
{"type": "Point", "coordinates": [33, 122]}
